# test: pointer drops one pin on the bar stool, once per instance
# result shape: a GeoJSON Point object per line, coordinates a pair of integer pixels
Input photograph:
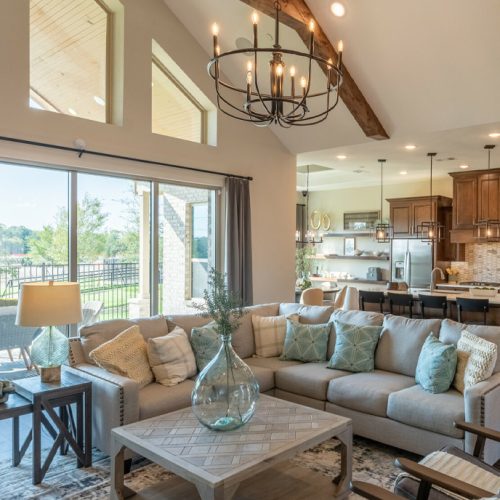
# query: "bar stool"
{"type": "Point", "coordinates": [402, 300]}
{"type": "Point", "coordinates": [472, 305]}
{"type": "Point", "coordinates": [366, 297]}
{"type": "Point", "coordinates": [433, 302]}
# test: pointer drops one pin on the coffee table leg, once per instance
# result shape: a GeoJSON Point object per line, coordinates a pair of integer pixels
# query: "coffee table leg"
{"type": "Point", "coordinates": [118, 491]}
{"type": "Point", "coordinates": [220, 493]}
{"type": "Point", "coordinates": [343, 480]}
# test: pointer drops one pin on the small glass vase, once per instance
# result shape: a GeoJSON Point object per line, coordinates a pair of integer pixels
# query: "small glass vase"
{"type": "Point", "coordinates": [226, 392]}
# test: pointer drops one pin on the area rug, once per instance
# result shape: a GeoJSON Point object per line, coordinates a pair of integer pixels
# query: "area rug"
{"type": "Point", "coordinates": [372, 462]}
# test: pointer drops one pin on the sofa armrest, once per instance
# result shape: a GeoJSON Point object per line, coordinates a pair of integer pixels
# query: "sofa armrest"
{"type": "Point", "coordinates": [481, 407]}
{"type": "Point", "coordinates": [115, 402]}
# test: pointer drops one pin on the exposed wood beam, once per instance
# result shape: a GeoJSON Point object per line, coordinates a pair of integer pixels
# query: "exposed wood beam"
{"type": "Point", "coordinates": [296, 15]}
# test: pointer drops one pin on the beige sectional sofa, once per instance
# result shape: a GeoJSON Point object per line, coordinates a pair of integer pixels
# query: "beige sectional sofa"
{"type": "Point", "coordinates": [385, 405]}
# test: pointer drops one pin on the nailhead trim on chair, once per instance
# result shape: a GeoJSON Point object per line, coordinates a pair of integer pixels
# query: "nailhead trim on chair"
{"type": "Point", "coordinates": [72, 359]}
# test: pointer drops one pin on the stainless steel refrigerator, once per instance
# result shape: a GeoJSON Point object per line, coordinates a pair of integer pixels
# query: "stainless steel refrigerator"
{"type": "Point", "coordinates": [411, 262]}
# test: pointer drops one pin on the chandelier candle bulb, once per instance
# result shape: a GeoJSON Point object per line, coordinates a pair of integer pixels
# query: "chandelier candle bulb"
{"type": "Point", "coordinates": [215, 33]}
{"type": "Point", "coordinates": [340, 49]}
{"type": "Point", "coordinates": [311, 43]}
{"type": "Point", "coordinates": [255, 17]}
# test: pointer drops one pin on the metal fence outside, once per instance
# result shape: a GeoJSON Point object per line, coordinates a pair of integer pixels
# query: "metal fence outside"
{"type": "Point", "coordinates": [113, 283]}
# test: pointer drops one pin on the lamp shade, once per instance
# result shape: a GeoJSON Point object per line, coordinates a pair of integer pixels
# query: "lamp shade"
{"type": "Point", "coordinates": [49, 303]}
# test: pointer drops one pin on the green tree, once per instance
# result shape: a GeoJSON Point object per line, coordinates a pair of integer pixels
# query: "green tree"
{"type": "Point", "coordinates": [51, 243]}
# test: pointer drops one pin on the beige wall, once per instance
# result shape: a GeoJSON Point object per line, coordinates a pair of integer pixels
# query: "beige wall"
{"type": "Point", "coordinates": [241, 148]}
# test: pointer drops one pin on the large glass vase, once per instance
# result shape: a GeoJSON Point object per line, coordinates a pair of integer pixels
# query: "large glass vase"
{"type": "Point", "coordinates": [226, 392]}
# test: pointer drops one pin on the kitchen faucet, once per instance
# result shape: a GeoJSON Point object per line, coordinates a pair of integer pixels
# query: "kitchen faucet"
{"type": "Point", "coordinates": [433, 277]}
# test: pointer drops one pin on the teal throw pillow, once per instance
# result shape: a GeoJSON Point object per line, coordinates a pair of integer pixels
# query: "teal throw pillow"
{"type": "Point", "coordinates": [306, 343]}
{"type": "Point", "coordinates": [436, 365]}
{"type": "Point", "coordinates": [354, 347]}
{"type": "Point", "coordinates": [205, 342]}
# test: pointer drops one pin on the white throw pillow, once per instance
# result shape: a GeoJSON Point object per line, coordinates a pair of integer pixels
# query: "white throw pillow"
{"type": "Point", "coordinates": [269, 334]}
{"type": "Point", "coordinates": [476, 360]}
{"type": "Point", "coordinates": [171, 357]}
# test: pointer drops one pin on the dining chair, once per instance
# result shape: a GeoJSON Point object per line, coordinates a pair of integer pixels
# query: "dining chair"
{"type": "Point", "coordinates": [312, 297]}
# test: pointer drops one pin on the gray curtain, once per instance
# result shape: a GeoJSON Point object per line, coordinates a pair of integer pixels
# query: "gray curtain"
{"type": "Point", "coordinates": [239, 239]}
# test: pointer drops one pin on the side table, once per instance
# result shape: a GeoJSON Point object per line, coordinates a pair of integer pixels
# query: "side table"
{"type": "Point", "coordinates": [15, 407]}
{"type": "Point", "coordinates": [46, 397]}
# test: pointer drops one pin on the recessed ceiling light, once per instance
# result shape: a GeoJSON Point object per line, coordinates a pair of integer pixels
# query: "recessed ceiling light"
{"type": "Point", "coordinates": [99, 100]}
{"type": "Point", "coordinates": [403, 172]}
{"type": "Point", "coordinates": [464, 166]}
{"type": "Point", "coordinates": [494, 135]}
{"type": "Point", "coordinates": [338, 9]}
{"type": "Point", "coordinates": [341, 157]}
{"type": "Point", "coordinates": [71, 111]}
{"type": "Point", "coordinates": [410, 146]}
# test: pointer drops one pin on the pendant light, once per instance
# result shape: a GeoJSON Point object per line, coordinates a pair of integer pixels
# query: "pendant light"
{"type": "Point", "coordinates": [430, 231]}
{"type": "Point", "coordinates": [487, 228]}
{"type": "Point", "coordinates": [310, 235]}
{"type": "Point", "coordinates": [383, 230]}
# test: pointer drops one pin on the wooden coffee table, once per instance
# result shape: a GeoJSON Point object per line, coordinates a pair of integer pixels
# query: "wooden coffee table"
{"type": "Point", "coordinates": [217, 462]}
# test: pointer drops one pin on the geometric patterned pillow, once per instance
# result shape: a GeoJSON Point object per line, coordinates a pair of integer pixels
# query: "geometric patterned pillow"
{"type": "Point", "coordinates": [305, 342]}
{"type": "Point", "coordinates": [205, 342]}
{"type": "Point", "coordinates": [436, 365]}
{"type": "Point", "coordinates": [481, 361]}
{"type": "Point", "coordinates": [269, 334]}
{"type": "Point", "coordinates": [171, 357]}
{"type": "Point", "coordinates": [354, 347]}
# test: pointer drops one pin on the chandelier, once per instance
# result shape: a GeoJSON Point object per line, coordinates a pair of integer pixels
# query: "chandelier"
{"type": "Point", "coordinates": [488, 229]}
{"type": "Point", "coordinates": [281, 101]}
{"type": "Point", "coordinates": [430, 231]}
{"type": "Point", "coordinates": [383, 230]}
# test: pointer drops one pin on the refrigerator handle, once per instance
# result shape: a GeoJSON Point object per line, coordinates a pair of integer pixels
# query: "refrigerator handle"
{"type": "Point", "coordinates": [409, 269]}
{"type": "Point", "coordinates": [406, 266]}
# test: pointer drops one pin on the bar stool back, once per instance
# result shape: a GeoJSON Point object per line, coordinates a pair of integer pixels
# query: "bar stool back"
{"type": "Point", "coordinates": [472, 305]}
{"type": "Point", "coordinates": [433, 302]}
{"type": "Point", "coordinates": [366, 297]}
{"type": "Point", "coordinates": [403, 300]}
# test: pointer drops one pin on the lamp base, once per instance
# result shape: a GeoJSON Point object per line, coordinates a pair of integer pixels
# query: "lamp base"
{"type": "Point", "coordinates": [50, 375]}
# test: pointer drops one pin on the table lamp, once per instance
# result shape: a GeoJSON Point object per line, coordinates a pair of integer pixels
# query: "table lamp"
{"type": "Point", "coordinates": [49, 303]}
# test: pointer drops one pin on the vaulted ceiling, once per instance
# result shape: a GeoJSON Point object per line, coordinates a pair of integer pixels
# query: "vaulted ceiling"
{"type": "Point", "coordinates": [428, 70]}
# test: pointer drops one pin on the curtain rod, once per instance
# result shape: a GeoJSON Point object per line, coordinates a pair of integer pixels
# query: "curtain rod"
{"type": "Point", "coordinates": [80, 152]}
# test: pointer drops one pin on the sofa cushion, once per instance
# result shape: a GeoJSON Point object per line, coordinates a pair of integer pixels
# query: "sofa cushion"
{"type": "Point", "coordinates": [436, 365]}
{"type": "Point", "coordinates": [424, 410]}
{"type": "Point", "coordinates": [156, 399]}
{"type": "Point", "coordinates": [478, 362]}
{"type": "Point", "coordinates": [94, 335]}
{"type": "Point", "coordinates": [354, 347]}
{"type": "Point", "coordinates": [305, 342]}
{"type": "Point", "coordinates": [273, 364]}
{"type": "Point", "coordinates": [360, 318]}
{"type": "Point", "coordinates": [451, 330]}
{"type": "Point", "coordinates": [186, 321]}
{"type": "Point", "coordinates": [171, 357]}
{"type": "Point", "coordinates": [367, 392]}
{"type": "Point", "coordinates": [308, 314]}
{"type": "Point", "coordinates": [264, 376]}
{"type": "Point", "coordinates": [269, 334]}
{"type": "Point", "coordinates": [126, 355]}
{"type": "Point", "coordinates": [205, 342]}
{"type": "Point", "coordinates": [401, 341]}
{"type": "Point", "coordinates": [307, 379]}
{"type": "Point", "coordinates": [243, 340]}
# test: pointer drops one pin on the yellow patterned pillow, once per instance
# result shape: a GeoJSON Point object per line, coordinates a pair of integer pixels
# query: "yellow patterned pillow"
{"type": "Point", "coordinates": [126, 355]}
{"type": "Point", "coordinates": [476, 360]}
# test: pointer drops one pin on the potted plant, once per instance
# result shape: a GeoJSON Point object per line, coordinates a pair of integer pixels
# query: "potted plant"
{"type": "Point", "coordinates": [452, 274]}
{"type": "Point", "coordinates": [303, 266]}
{"type": "Point", "coordinates": [225, 394]}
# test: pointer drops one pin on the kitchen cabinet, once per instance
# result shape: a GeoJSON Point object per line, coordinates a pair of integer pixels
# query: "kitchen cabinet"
{"type": "Point", "coordinates": [476, 196]}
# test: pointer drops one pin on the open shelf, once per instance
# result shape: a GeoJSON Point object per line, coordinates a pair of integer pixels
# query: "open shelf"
{"type": "Point", "coordinates": [350, 257]}
{"type": "Point", "coordinates": [352, 234]}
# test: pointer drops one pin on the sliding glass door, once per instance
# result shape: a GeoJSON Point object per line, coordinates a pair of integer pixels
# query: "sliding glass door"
{"type": "Point", "coordinates": [138, 247]}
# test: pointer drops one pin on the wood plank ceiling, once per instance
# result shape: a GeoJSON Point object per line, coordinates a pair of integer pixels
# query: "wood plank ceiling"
{"type": "Point", "coordinates": [296, 15]}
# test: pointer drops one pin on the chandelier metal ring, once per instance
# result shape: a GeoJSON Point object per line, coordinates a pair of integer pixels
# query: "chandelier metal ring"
{"type": "Point", "coordinates": [275, 105]}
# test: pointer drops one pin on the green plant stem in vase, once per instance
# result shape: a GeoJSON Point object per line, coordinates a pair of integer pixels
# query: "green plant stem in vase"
{"type": "Point", "coordinates": [226, 392]}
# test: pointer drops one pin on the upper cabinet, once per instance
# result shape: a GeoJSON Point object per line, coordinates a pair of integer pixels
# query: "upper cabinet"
{"type": "Point", "coordinates": [476, 196]}
{"type": "Point", "coordinates": [408, 213]}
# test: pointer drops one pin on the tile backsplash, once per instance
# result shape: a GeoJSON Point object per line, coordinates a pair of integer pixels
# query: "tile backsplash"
{"type": "Point", "coordinates": [482, 262]}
